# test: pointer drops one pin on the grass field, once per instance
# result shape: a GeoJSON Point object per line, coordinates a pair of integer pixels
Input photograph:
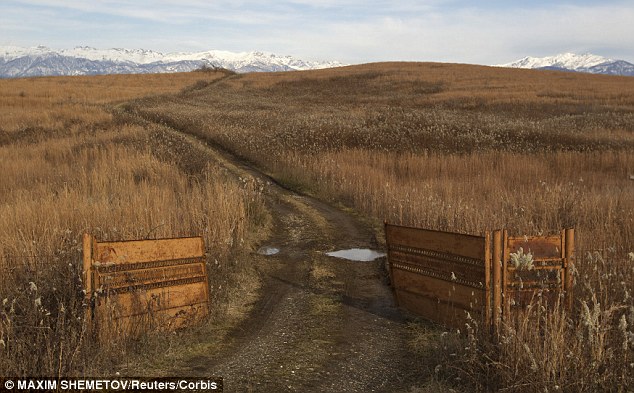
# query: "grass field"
{"type": "Point", "coordinates": [449, 147]}
{"type": "Point", "coordinates": [68, 167]}
{"type": "Point", "coordinates": [461, 148]}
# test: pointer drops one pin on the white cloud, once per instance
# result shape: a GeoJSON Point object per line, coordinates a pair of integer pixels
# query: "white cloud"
{"type": "Point", "coordinates": [347, 30]}
{"type": "Point", "coordinates": [476, 36]}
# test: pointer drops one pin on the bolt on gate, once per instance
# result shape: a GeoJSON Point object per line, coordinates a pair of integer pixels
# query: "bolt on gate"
{"type": "Point", "coordinates": [452, 278]}
{"type": "Point", "coordinates": [136, 285]}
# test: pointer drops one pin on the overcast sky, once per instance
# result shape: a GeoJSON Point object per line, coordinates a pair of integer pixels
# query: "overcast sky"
{"type": "Point", "coordinates": [351, 31]}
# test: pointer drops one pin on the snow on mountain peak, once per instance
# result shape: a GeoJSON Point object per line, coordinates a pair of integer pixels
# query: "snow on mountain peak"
{"type": "Point", "coordinates": [569, 61]}
{"type": "Point", "coordinates": [119, 59]}
{"type": "Point", "coordinates": [139, 56]}
{"type": "Point", "coordinates": [14, 52]}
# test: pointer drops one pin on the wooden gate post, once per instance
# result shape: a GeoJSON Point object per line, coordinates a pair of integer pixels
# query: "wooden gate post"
{"type": "Point", "coordinates": [506, 314]}
{"type": "Point", "coordinates": [497, 270]}
{"type": "Point", "coordinates": [569, 258]}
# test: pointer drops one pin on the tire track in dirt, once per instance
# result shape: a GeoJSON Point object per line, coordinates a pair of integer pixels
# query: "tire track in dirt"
{"type": "Point", "coordinates": [320, 324]}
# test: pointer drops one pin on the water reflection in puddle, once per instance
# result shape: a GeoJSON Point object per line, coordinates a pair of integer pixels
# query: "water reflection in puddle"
{"type": "Point", "coordinates": [266, 250]}
{"type": "Point", "coordinates": [357, 254]}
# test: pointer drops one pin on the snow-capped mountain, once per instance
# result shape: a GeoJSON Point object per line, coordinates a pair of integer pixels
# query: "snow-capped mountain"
{"type": "Point", "coordinates": [41, 61]}
{"type": "Point", "coordinates": [579, 63]}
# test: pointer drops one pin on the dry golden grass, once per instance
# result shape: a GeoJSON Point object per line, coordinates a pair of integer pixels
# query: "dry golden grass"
{"type": "Point", "coordinates": [462, 148]}
{"type": "Point", "coordinates": [68, 167]}
{"type": "Point", "coordinates": [68, 103]}
{"type": "Point", "coordinates": [441, 146]}
{"type": "Point", "coordinates": [529, 193]}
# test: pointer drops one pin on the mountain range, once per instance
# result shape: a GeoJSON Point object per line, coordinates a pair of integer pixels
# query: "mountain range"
{"type": "Point", "coordinates": [18, 62]}
{"type": "Point", "coordinates": [576, 63]}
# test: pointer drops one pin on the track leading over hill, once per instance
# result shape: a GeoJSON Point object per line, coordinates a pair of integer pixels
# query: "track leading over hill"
{"type": "Point", "coordinates": [320, 323]}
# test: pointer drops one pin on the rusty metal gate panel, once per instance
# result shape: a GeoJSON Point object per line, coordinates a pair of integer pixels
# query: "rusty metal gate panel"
{"type": "Point", "coordinates": [445, 276]}
{"type": "Point", "coordinates": [545, 272]}
{"type": "Point", "coordinates": [146, 284]}
{"type": "Point", "coordinates": [442, 276]}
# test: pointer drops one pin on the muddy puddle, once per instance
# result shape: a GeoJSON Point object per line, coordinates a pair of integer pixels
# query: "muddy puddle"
{"type": "Point", "coordinates": [357, 254]}
{"type": "Point", "coordinates": [268, 250]}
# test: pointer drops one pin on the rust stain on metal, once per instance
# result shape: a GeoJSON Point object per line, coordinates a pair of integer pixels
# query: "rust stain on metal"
{"type": "Point", "coordinates": [142, 284]}
{"type": "Point", "coordinates": [539, 246]}
{"type": "Point", "coordinates": [448, 277]}
{"type": "Point", "coordinates": [549, 276]}
{"type": "Point", "coordinates": [438, 275]}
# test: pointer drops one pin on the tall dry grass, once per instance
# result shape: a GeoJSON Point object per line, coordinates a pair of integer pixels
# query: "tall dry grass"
{"type": "Point", "coordinates": [526, 193]}
{"type": "Point", "coordinates": [113, 179]}
{"type": "Point", "coordinates": [31, 108]}
{"type": "Point", "coordinates": [462, 148]}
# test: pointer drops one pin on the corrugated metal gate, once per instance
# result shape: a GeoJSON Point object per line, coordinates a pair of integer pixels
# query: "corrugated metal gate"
{"type": "Point", "coordinates": [137, 285]}
{"type": "Point", "coordinates": [450, 278]}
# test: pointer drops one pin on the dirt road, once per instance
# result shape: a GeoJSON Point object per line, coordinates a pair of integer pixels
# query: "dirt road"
{"type": "Point", "coordinates": [321, 324]}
